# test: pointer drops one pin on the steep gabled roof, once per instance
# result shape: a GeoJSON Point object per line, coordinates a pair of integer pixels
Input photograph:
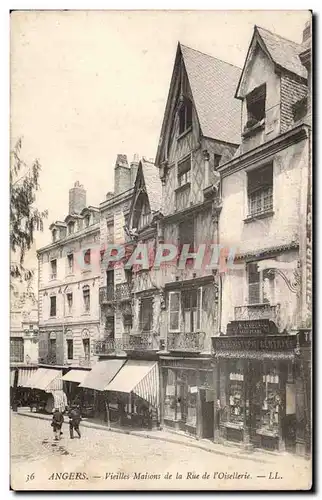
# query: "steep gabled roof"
{"type": "Point", "coordinates": [282, 52]}
{"type": "Point", "coordinates": [153, 185]}
{"type": "Point", "coordinates": [213, 83]}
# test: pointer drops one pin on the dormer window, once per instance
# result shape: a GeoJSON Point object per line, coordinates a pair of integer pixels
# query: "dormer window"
{"type": "Point", "coordinates": [86, 221]}
{"type": "Point", "coordinates": [71, 227]}
{"type": "Point", "coordinates": [185, 116]}
{"type": "Point", "coordinates": [54, 234]}
{"type": "Point", "coordinates": [255, 102]}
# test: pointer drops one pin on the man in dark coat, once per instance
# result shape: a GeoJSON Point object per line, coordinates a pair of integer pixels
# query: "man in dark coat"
{"type": "Point", "coordinates": [74, 421]}
{"type": "Point", "coordinates": [57, 422]}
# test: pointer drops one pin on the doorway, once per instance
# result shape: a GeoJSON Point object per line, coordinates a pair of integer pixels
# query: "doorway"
{"type": "Point", "coordinates": [207, 413]}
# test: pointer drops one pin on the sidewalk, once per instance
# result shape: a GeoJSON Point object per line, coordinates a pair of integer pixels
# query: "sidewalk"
{"type": "Point", "coordinates": [177, 438]}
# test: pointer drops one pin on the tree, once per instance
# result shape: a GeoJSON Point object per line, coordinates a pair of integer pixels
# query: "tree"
{"type": "Point", "coordinates": [25, 218]}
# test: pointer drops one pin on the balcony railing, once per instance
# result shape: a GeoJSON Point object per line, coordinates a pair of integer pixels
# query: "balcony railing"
{"type": "Point", "coordinates": [147, 341]}
{"type": "Point", "coordinates": [50, 359]}
{"type": "Point", "coordinates": [106, 294]}
{"type": "Point", "coordinates": [258, 311]}
{"type": "Point", "coordinates": [123, 291]}
{"type": "Point", "coordinates": [107, 346]}
{"type": "Point", "coordinates": [186, 342]}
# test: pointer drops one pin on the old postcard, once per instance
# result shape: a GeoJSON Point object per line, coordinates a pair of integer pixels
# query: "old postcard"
{"type": "Point", "coordinates": [161, 250]}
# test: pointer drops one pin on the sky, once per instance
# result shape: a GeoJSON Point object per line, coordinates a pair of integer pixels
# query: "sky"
{"type": "Point", "coordinates": [87, 85]}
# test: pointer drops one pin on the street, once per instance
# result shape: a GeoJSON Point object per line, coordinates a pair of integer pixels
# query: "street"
{"type": "Point", "coordinates": [103, 460]}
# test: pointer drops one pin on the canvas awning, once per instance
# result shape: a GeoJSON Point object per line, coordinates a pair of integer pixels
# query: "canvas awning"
{"type": "Point", "coordinates": [77, 376]}
{"type": "Point", "coordinates": [24, 375]}
{"type": "Point", "coordinates": [140, 377]}
{"type": "Point", "coordinates": [102, 373]}
{"type": "Point", "coordinates": [46, 379]}
{"type": "Point", "coordinates": [12, 377]}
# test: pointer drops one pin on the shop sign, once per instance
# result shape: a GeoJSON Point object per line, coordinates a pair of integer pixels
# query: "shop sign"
{"type": "Point", "coordinates": [252, 327]}
{"type": "Point", "coordinates": [269, 343]}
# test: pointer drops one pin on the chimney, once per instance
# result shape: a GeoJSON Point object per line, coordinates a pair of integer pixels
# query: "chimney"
{"type": "Point", "coordinates": [122, 175]}
{"type": "Point", "coordinates": [77, 198]}
{"type": "Point", "coordinates": [134, 168]}
{"type": "Point", "coordinates": [307, 32]}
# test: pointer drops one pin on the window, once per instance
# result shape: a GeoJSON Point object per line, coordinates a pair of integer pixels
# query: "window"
{"type": "Point", "coordinates": [54, 233]}
{"type": "Point", "coordinates": [109, 327]}
{"type": "Point", "coordinates": [185, 116]}
{"type": "Point", "coordinates": [52, 350]}
{"type": "Point", "coordinates": [70, 263]}
{"type": "Point", "coordinates": [146, 314]}
{"type": "Point", "coordinates": [255, 102]}
{"type": "Point", "coordinates": [145, 215]}
{"type": "Point", "coordinates": [110, 277]}
{"type": "Point", "coordinates": [16, 350]}
{"type": "Point", "coordinates": [184, 172]}
{"type": "Point", "coordinates": [217, 159]}
{"type": "Point", "coordinates": [299, 109]}
{"type": "Point", "coordinates": [86, 298]}
{"type": "Point", "coordinates": [174, 311]}
{"type": "Point", "coordinates": [70, 349]}
{"type": "Point", "coordinates": [86, 221]}
{"type": "Point", "coordinates": [127, 323]}
{"type": "Point", "coordinates": [186, 234]}
{"type": "Point", "coordinates": [260, 285]}
{"type": "Point", "coordinates": [110, 232]}
{"type": "Point", "coordinates": [260, 190]}
{"type": "Point", "coordinates": [191, 307]}
{"type": "Point", "coordinates": [53, 267]}
{"type": "Point", "coordinates": [86, 346]}
{"type": "Point", "coordinates": [53, 305]}
{"type": "Point", "coordinates": [71, 227]}
{"type": "Point", "coordinates": [87, 257]}
{"type": "Point", "coordinates": [70, 302]}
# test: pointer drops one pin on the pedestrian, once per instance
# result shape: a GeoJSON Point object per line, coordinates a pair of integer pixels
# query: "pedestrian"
{"type": "Point", "coordinates": [57, 422]}
{"type": "Point", "coordinates": [74, 421]}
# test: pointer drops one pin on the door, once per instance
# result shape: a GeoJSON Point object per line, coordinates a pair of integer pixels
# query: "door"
{"type": "Point", "coordinates": [207, 413]}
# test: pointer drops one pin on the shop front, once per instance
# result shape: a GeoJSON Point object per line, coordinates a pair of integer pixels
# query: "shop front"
{"type": "Point", "coordinates": [46, 393]}
{"type": "Point", "coordinates": [187, 395]}
{"type": "Point", "coordinates": [257, 403]}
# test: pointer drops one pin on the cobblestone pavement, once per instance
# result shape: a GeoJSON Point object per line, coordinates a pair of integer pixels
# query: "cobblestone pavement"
{"type": "Point", "coordinates": [109, 461]}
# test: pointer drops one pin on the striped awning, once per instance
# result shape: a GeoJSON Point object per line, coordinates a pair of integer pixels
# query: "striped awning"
{"type": "Point", "coordinates": [77, 376]}
{"type": "Point", "coordinates": [140, 377]}
{"type": "Point", "coordinates": [12, 377]}
{"type": "Point", "coordinates": [46, 379]}
{"type": "Point", "coordinates": [25, 374]}
{"type": "Point", "coordinates": [254, 355]}
{"type": "Point", "coordinates": [102, 373]}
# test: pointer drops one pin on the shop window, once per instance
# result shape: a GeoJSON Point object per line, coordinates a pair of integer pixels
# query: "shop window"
{"type": "Point", "coordinates": [70, 349]}
{"type": "Point", "coordinates": [70, 263]}
{"type": "Point", "coordinates": [53, 269]}
{"type": "Point", "coordinates": [260, 285]}
{"type": "Point", "coordinates": [192, 309]}
{"type": "Point", "coordinates": [185, 116]}
{"type": "Point", "coordinates": [53, 305]}
{"type": "Point", "coordinates": [260, 190]}
{"type": "Point", "coordinates": [271, 401]}
{"type": "Point", "coordinates": [146, 314]}
{"type": "Point", "coordinates": [86, 299]}
{"type": "Point", "coordinates": [16, 350]}
{"type": "Point", "coordinates": [255, 102]}
{"type": "Point", "coordinates": [174, 311]}
{"type": "Point", "coordinates": [70, 302]}
{"type": "Point", "coordinates": [86, 347]}
{"type": "Point", "coordinates": [184, 172]}
{"type": "Point", "coordinates": [192, 391]}
{"type": "Point", "coordinates": [236, 392]}
{"type": "Point", "coordinates": [87, 257]}
{"type": "Point", "coordinates": [170, 401]}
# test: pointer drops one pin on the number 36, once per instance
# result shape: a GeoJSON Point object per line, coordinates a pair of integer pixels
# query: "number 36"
{"type": "Point", "coordinates": [30, 477]}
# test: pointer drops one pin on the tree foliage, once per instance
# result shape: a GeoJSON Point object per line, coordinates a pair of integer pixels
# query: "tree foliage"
{"type": "Point", "coordinates": [25, 218]}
